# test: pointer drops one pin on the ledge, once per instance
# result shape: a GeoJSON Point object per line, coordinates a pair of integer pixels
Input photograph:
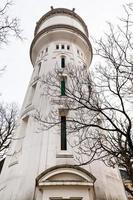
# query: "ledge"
{"type": "Point", "coordinates": [65, 167]}
{"type": "Point", "coordinates": [13, 163]}
{"type": "Point", "coordinates": [34, 80]}
{"type": "Point", "coordinates": [27, 109]}
{"type": "Point", "coordinates": [61, 198]}
{"type": "Point", "coordinates": [64, 155]}
{"type": "Point", "coordinates": [63, 101]}
{"type": "Point", "coordinates": [68, 183]}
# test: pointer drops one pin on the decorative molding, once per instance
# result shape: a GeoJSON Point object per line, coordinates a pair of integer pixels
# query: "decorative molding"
{"type": "Point", "coordinates": [2, 188]}
{"type": "Point", "coordinates": [61, 198]}
{"type": "Point", "coordinates": [59, 155]}
{"type": "Point", "coordinates": [34, 80]}
{"type": "Point", "coordinates": [63, 102]}
{"type": "Point", "coordinates": [60, 26]}
{"type": "Point", "coordinates": [13, 163]}
{"type": "Point", "coordinates": [63, 111]}
{"type": "Point", "coordinates": [65, 167]}
{"type": "Point", "coordinates": [60, 11]}
{"type": "Point", "coordinates": [29, 108]}
{"type": "Point", "coordinates": [67, 183]}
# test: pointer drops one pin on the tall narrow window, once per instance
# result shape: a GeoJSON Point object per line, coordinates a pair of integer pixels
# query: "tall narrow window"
{"type": "Point", "coordinates": [1, 164]}
{"type": "Point", "coordinates": [31, 94]}
{"type": "Point", "coordinates": [63, 133]}
{"type": "Point", "coordinates": [63, 87]}
{"type": "Point", "coordinates": [68, 47]}
{"type": "Point", "coordinates": [39, 67]}
{"type": "Point", "coordinates": [62, 46]}
{"type": "Point", "coordinates": [63, 62]}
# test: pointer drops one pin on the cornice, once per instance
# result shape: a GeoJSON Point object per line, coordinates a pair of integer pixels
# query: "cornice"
{"type": "Point", "coordinates": [60, 11]}
{"type": "Point", "coordinates": [60, 26]}
{"type": "Point", "coordinates": [65, 166]}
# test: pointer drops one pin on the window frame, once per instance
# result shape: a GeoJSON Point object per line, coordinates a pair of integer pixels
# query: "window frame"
{"type": "Point", "coordinates": [63, 62]}
{"type": "Point", "coordinates": [63, 133]}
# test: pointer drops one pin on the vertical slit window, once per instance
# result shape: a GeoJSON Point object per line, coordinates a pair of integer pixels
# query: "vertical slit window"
{"type": "Point", "coordinates": [31, 94]}
{"type": "Point", "coordinates": [63, 87]}
{"type": "Point", "coordinates": [68, 47]}
{"type": "Point", "coordinates": [63, 133]}
{"type": "Point", "coordinates": [39, 67]}
{"type": "Point", "coordinates": [1, 164]}
{"type": "Point", "coordinates": [63, 62]}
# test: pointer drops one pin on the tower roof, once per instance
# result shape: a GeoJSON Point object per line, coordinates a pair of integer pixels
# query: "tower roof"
{"type": "Point", "coordinates": [55, 11]}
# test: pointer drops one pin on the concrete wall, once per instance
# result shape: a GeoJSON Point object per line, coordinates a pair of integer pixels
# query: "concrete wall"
{"type": "Point", "coordinates": [61, 19]}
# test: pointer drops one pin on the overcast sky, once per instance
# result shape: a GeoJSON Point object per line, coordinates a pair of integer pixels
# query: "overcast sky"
{"type": "Point", "coordinates": [95, 13]}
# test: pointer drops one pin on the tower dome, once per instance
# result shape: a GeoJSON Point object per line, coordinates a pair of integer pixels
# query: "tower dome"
{"type": "Point", "coordinates": [61, 16]}
{"type": "Point", "coordinates": [61, 24]}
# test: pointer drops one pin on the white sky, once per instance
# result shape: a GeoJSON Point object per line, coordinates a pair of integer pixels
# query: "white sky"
{"type": "Point", "coordinates": [95, 13]}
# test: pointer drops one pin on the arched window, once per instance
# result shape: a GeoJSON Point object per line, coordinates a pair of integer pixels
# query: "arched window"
{"type": "Point", "coordinates": [62, 62]}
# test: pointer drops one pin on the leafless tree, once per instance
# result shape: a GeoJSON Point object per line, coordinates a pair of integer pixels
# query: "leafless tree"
{"type": "Point", "coordinates": [99, 101]}
{"type": "Point", "coordinates": [8, 26]}
{"type": "Point", "coordinates": [8, 118]}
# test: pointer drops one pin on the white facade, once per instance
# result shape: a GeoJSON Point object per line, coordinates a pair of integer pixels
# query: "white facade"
{"type": "Point", "coordinates": [36, 168]}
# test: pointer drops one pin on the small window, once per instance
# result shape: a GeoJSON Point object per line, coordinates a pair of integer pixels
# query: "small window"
{"type": "Point", "coordinates": [63, 133]}
{"type": "Point", "coordinates": [57, 46]}
{"type": "Point", "coordinates": [41, 53]}
{"type": "Point", "coordinates": [63, 62]}
{"type": "Point", "coordinates": [62, 46]}
{"type": "Point", "coordinates": [68, 47]}
{"type": "Point", "coordinates": [63, 87]}
{"type": "Point", "coordinates": [1, 164]}
{"type": "Point", "coordinates": [46, 49]}
{"type": "Point", "coordinates": [33, 90]}
{"type": "Point", "coordinates": [77, 51]}
{"type": "Point", "coordinates": [39, 67]}
{"type": "Point", "coordinates": [31, 94]}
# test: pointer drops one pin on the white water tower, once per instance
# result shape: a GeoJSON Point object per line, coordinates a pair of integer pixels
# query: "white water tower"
{"type": "Point", "coordinates": [40, 166]}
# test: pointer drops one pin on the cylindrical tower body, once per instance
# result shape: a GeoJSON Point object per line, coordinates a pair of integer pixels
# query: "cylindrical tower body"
{"type": "Point", "coordinates": [38, 165]}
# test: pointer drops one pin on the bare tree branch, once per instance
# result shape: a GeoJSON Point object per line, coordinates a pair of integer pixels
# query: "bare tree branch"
{"type": "Point", "coordinates": [8, 118]}
{"type": "Point", "coordinates": [9, 26]}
